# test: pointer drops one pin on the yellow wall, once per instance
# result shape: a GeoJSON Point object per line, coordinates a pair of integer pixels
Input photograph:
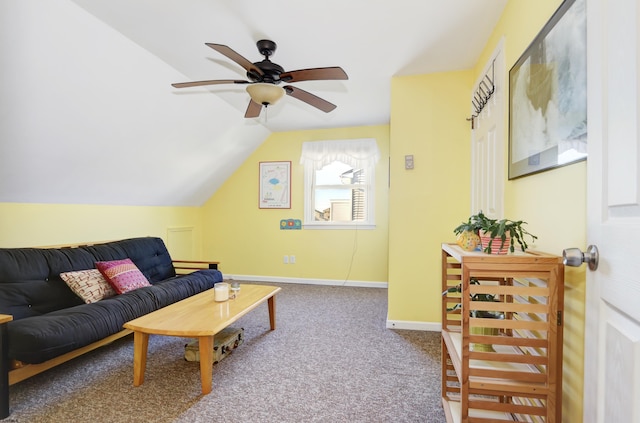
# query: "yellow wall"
{"type": "Point", "coordinates": [414, 216]}
{"type": "Point", "coordinates": [29, 225]}
{"type": "Point", "coordinates": [427, 120]}
{"type": "Point", "coordinates": [248, 241]}
{"type": "Point", "coordinates": [553, 202]}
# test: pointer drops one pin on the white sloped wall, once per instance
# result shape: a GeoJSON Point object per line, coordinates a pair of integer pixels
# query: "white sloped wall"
{"type": "Point", "coordinates": [89, 117]}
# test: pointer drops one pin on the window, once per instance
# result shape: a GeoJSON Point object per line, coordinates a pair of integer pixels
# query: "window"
{"type": "Point", "coordinates": [339, 183]}
{"type": "Point", "coordinates": [339, 194]}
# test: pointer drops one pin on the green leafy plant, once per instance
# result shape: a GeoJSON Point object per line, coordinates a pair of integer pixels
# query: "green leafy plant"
{"type": "Point", "coordinates": [484, 297]}
{"type": "Point", "coordinates": [473, 224]}
{"type": "Point", "coordinates": [476, 297]}
{"type": "Point", "coordinates": [497, 228]}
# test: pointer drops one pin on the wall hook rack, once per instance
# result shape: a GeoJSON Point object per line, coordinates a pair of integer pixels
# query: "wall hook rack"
{"type": "Point", "coordinates": [485, 89]}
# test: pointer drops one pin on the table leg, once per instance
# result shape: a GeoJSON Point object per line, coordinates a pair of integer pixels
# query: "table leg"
{"type": "Point", "coordinates": [205, 346]}
{"type": "Point", "coordinates": [140, 343]}
{"type": "Point", "coordinates": [272, 311]}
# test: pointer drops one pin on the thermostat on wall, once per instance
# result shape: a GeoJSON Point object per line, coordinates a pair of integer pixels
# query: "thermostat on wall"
{"type": "Point", "coordinates": [408, 161]}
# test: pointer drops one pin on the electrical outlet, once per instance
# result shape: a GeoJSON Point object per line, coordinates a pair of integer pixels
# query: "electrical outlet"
{"type": "Point", "coordinates": [292, 259]}
{"type": "Point", "coordinates": [285, 260]}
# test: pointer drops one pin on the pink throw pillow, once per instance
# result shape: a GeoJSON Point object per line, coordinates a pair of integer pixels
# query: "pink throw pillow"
{"type": "Point", "coordinates": [122, 275]}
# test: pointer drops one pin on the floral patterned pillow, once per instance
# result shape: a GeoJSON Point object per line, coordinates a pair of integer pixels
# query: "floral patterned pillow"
{"type": "Point", "coordinates": [89, 285]}
{"type": "Point", "coordinates": [123, 275]}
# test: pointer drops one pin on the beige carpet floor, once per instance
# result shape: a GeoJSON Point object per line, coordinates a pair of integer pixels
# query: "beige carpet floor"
{"type": "Point", "coordinates": [331, 359]}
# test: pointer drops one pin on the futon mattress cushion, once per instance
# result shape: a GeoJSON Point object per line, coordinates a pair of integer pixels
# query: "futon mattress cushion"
{"type": "Point", "coordinates": [40, 338]}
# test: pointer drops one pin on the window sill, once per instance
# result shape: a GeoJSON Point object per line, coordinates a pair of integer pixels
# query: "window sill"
{"type": "Point", "coordinates": [332, 226]}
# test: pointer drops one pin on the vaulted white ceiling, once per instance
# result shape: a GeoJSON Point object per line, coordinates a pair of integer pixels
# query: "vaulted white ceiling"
{"type": "Point", "coordinates": [88, 115]}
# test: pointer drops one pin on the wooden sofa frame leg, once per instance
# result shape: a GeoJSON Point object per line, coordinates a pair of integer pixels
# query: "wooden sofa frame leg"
{"type": "Point", "coordinates": [4, 372]}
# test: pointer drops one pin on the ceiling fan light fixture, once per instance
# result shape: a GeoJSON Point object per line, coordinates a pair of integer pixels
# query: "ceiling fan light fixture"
{"type": "Point", "coordinates": [264, 93]}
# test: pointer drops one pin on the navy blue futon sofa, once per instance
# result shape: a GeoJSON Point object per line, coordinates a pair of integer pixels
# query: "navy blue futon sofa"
{"type": "Point", "coordinates": [49, 322]}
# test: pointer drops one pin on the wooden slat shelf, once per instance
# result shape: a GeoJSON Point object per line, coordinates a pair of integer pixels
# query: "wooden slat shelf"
{"type": "Point", "coordinates": [518, 375]}
{"type": "Point", "coordinates": [453, 412]}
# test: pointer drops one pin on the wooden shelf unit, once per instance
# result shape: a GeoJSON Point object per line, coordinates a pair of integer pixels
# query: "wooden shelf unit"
{"type": "Point", "coordinates": [520, 377]}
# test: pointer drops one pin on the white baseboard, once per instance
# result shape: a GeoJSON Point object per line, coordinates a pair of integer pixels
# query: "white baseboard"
{"type": "Point", "coordinates": [307, 281]}
{"type": "Point", "coordinates": [406, 324]}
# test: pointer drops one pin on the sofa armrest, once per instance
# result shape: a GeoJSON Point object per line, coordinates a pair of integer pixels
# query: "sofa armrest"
{"type": "Point", "coordinates": [184, 267]}
{"type": "Point", "coordinates": [4, 366]}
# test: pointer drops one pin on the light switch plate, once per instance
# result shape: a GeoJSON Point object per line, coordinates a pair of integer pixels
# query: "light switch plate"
{"type": "Point", "coordinates": [408, 161]}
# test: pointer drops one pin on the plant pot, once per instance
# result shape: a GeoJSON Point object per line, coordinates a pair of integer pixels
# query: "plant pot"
{"type": "Point", "coordinates": [478, 330]}
{"type": "Point", "coordinates": [497, 246]}
{"type": "Point", "coordinates": [468, 240]}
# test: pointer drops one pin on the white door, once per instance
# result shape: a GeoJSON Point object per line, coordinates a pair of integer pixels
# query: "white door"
{"type": "Point", "coordinates": [487, 141]}
{"type": "Point", "coordinates": [612, 337]}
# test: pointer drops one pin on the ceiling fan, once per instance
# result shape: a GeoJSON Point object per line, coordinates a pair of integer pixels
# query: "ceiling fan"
{"type": "Point", "coordinates": [265, 77]}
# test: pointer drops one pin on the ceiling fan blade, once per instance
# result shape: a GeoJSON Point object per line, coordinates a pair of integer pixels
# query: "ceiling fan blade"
{"type": "Point", "coordinates": [309, 98]}
{"type": "Point", "coordinates": [239, 59]}
{"type": "Point", "coordinates": [211, 82]}
{"type": "Point", "coordinates": [253, 110]}
{"type": "Point", "coordinates": [314, 74]}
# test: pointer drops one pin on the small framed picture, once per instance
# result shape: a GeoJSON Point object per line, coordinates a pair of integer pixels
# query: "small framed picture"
{"type": "Point", "coordinates": [275, 185]}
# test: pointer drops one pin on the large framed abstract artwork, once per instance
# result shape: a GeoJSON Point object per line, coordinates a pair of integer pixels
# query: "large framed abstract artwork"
{"type": "Point", "coordinates": [548, 96]}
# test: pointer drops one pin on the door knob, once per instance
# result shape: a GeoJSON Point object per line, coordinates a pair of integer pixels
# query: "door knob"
{"type": "Point", "coordinates": [574, 257]}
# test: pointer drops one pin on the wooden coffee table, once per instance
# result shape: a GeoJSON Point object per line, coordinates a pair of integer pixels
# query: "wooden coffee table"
{"type": "Point", "coordinates": [198, 317]}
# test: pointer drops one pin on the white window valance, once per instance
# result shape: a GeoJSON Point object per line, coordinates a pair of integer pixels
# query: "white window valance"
{"type": "Point", "coordinates": [358, 153]}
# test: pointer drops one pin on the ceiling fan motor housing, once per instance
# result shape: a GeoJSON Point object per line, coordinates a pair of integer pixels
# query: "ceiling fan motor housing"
{"type": "Point", "coordinates": [271, 72]}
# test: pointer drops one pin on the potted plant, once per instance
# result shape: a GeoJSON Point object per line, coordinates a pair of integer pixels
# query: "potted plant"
{"type": "Point", "coordinates": [468, 237]}
{"type": "Point", "coordinates": [482, 314]}
{"type": "Point", "coordinates": [497, 230]}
